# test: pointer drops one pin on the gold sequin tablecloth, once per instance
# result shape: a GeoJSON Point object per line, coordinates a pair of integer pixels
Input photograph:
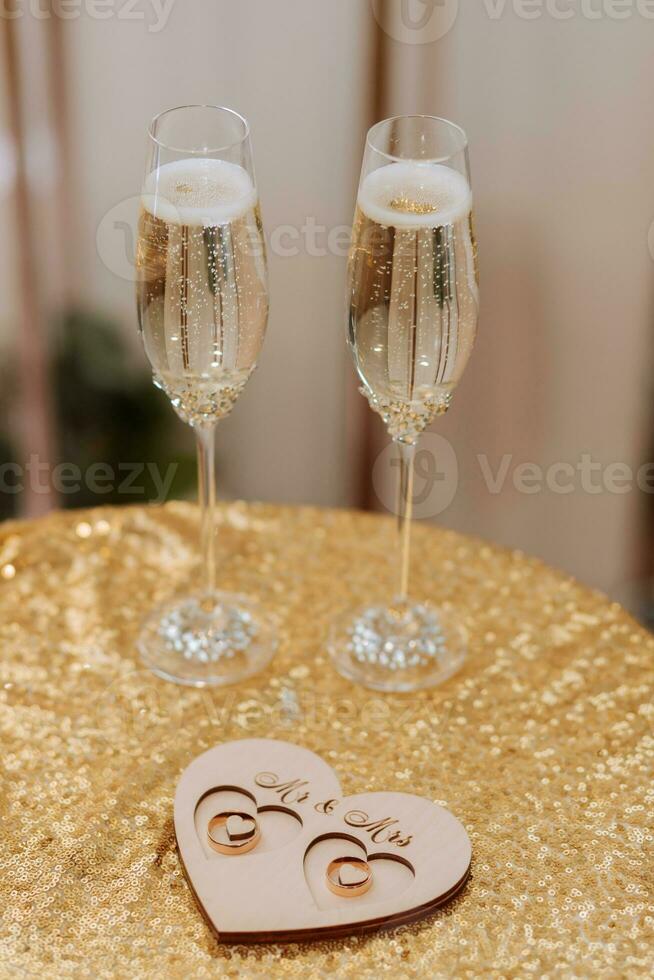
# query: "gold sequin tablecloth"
{"type": "Point", "coordinates": [543, 746]}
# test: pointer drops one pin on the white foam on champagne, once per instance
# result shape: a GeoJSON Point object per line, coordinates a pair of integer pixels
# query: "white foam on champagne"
{"type": "Point", "coordinates": [199, 192]}
{"type": "Point", "coordinates": [415, 195]}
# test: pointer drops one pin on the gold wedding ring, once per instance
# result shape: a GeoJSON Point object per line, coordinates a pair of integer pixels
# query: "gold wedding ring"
{"type": "Point", "coordinates": [349, 876]}
{"type": "Point", "coordinates": [233, 832]}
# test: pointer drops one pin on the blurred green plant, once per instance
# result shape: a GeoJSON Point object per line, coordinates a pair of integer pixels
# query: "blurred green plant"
{"type": "Point", "coordinates": [108, 411]}
{"type": "Point", "coordinates": [8, 502]}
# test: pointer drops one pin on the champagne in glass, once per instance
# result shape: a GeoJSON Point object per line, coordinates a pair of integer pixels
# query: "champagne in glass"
{"type": "Point", "coordinates": [202, 292]}
{"type": "Point", "coordinates": [202, 299]}
{"type": "Point", "coordinates": [413, 304]}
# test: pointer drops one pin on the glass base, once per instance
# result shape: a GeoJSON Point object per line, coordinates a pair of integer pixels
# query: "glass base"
{"type": "Point", "coordinates": [207, 640]}
{"type": "Point", "coordinates": [403, 647]}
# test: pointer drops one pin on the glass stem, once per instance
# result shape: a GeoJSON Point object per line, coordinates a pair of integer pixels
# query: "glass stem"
{"type": "Point", "coordinates": [206, 443]}
{"type": "Point", "coordinates": [407, 453]}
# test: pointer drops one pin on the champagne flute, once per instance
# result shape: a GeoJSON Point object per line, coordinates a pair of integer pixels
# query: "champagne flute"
{"type": "Point", "coordinates": [202, 299]}
{"type": "Point", "coordinates": [413, 305]}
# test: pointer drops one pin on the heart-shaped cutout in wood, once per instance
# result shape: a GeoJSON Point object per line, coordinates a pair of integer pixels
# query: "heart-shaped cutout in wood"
{"type": "Point", "coordinates": [240, 828]}
{"type": "Point", "coordinates": [418, 852]}
{"type": "Point", "coordinates": [352, 875]}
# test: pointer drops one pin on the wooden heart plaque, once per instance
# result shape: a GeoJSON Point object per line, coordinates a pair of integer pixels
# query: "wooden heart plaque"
{"type": "Point", "coordinates": [414, 854]}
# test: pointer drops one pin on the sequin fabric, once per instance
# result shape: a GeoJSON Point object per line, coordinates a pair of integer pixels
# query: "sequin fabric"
{"type": "Point", "coordinates": [542, 745]}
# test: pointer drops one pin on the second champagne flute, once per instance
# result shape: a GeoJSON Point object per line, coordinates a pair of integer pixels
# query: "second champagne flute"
{"type": "Point", "coordinates": [202, 299]}
{"type": "Point", "coordinates": [413, 301]}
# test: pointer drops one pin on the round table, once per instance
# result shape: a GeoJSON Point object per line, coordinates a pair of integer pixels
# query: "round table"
{"type": "Point", "coordinates": [542, 746]}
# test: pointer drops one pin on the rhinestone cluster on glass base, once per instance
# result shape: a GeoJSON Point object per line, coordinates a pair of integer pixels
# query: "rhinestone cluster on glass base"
{"type": "Point", "coordinates": [406, 420]}
{"type": "Point", "coordinates": [397, 639]}
{"type": "Point", "coordinates": [194, 633]}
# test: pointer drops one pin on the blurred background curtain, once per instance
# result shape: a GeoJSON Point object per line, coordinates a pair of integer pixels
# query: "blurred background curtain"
{"type": "Point", "coordinates": [562, 159]}
{"type": "Point", "coordinates": [35, 247]}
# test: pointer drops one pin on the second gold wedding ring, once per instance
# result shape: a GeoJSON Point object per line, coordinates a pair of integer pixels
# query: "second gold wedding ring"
{"type": "Point", "coordinates": [349, 877]}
